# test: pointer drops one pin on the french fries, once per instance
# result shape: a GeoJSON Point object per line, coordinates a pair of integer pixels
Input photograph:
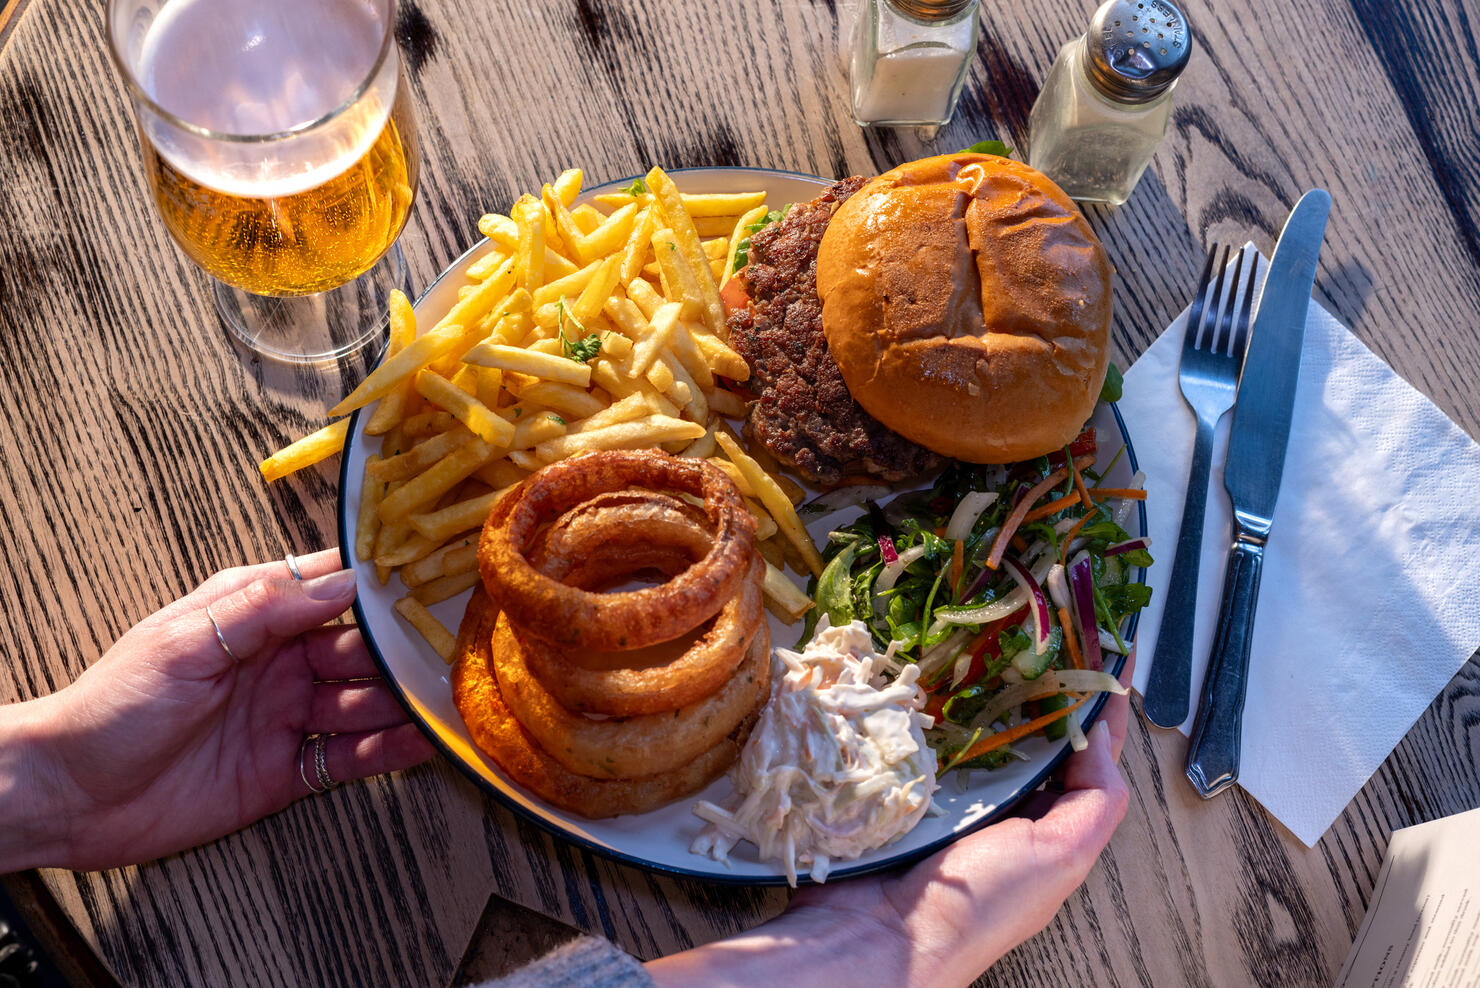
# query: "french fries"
{"type": "Point", "coordinates": [586, 325]}
{"type": "Point", "coordinates": [686, 239]}
{"type": "Point", "coordinates": [402, 334]}
{"type": "Point", "coordinates": [770, 494]}
{"type": "Point", "coordinates": [426, 623]}
{"type": "Point", "coordinates": [783, 598]}
{"type": "Point", "coordinates": [312, 448]}
{"type": "Point", "coordinates": [455, 519]}
{"type": "Point", "coordinates": [545, 366]}
{"type": "Point", "coordinates": [468, 410]}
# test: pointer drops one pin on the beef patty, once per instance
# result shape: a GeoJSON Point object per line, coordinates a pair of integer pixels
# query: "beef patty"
{"type": "Point", "coordinates": [803, 412]}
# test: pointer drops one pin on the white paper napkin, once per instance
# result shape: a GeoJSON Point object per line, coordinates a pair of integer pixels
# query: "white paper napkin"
{"type": "Point", "coordinates": [1368, 604]}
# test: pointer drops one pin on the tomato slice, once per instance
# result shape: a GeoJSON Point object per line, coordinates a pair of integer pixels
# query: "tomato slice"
{"type": "Point", "coordinates": [1084, 444]}
{"type": "Point", "coordinates": [734, 295]}
{"type": "Point", "coordinates": [983, 647]}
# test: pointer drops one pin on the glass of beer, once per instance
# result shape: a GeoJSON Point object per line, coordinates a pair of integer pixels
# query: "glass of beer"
{"type": "Point", "coordinates": [280, 148]}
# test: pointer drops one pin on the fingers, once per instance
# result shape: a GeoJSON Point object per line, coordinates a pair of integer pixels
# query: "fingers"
{"type": "Point", "coordinates": [1082, 821]}
{"type": "Point", "coordinates": [272, 610]}
{"type": "Point", "coordinates": [1116, 718]}
{"type": "Point", "coordinates": [229, 581]}
{"type": "Point", "coordinates": [1093, 768]}
{"type": "Point", "coordinates": [312, 566]}
{"type": "Point", "coordinates": [338, 653]}
{"type": "Point", "coordinates": [358, 756]}
{"type": "Point", "coordinates": [1118, 710]}
{"type": "Point", "coordinates": [344, 708]}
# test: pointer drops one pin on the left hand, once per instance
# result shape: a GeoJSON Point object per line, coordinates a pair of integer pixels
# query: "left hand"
{"type": "Point", "coordinates": [168, 741]}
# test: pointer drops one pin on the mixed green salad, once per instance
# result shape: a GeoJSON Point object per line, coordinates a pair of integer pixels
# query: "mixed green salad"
{"type": "Point", "coordinates": [1006, 585]}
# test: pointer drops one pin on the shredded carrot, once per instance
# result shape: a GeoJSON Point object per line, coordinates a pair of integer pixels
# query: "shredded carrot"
{"type": "Point", "coordinates": [1069, 537]}
{"type": "Point", "coordinates": [1019, 512]}
{"type": "Point", "coordinates": [1084, 497]}
{"type": "Point", "coordinates": [957, 565]}
{"type": "Point", "coordinates": [1130, 494]}
{"type": "Point", "coordinates": [1019, 543]}
{"type": "Point", "coordinates": [1024, 505]}
{"type": "Point", "coordinates": [994, 741]}
{"type": "Point", "coordinates": [1052, 507]}
{"type": "Point", "coordinates": [1070, 638]}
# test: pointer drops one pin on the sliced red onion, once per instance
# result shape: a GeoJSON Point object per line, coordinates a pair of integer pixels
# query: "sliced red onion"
{"type": "Point", "coordinates": [964, 518]}
{"type": "Point", "coordinates": [937, 656]}
{"type": "Point", "coordinates": [961, 668]}
{"type": "Point", "coordinates": [1037, 603]}
{"type": "Point", "coordinates": [1130, 545]}
{"type": "Point", "coordinates": [1058, 590]}
{"type": "Point", "coordinates": [891, 572]}
{"type": "Point", "coordinates": [996, 610]}
{"type": "Point", "coordinates": [886, 549]}
{"type": "Point", "coordinates": [1081, 581]}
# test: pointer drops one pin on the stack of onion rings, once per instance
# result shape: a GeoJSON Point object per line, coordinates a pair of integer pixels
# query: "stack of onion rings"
{"type": "Point", "coordinates": [495, 730]}
{"type": "Point", "coordinates": [625, 620]}
{"type": "Point", "coordinates": [602, 700]}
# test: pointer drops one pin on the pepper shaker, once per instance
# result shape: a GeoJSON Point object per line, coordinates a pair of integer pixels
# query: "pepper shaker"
{"type": "Point", "coordinates": [1106, 102]}
{"type": "Point", "coordinates": [909, 60]}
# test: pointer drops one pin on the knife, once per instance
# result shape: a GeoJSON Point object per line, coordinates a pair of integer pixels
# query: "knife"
{"type": "Point", "coordinates": [1256, 459]}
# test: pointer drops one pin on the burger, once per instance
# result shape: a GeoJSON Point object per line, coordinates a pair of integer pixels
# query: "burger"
{"type": "Point", "coordinates": [953, 307]}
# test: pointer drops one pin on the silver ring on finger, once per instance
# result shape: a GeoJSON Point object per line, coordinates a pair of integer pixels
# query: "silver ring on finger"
{"type": "Point", "coordinates": [312, 785]}
{"type": "Point", "coordinates": [220, 637]}
{"type": "Point", "coordinates": [321, 764]}
{"type": "Point", "coordinates": [293, 569]}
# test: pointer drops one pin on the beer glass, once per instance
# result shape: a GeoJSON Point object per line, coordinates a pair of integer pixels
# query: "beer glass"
{"type": "Point", "coordinates": [280, 149]}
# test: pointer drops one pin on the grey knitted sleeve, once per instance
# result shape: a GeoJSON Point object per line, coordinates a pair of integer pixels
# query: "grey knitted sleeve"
{"type": "Point", "coordinates": [586, 962]}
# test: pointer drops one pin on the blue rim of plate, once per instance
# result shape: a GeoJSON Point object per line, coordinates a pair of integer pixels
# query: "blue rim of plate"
{"type": "Point", "coordinates": [1004, 808]}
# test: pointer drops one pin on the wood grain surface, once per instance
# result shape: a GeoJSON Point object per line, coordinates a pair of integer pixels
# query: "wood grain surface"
{"type": "Point", "coordinates": [130, 429]}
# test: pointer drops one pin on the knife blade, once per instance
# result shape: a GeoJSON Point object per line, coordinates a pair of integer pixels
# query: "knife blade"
{"type": "Point", "coordinates": [1251, 474]}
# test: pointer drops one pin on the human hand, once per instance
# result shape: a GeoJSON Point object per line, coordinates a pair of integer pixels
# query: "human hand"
{"type": "Point", "coordinates": [167, 741]}
{"type": "Point", "coordinates": [947, 919]}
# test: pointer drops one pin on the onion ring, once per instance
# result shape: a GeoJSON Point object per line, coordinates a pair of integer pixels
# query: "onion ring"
{"type": "Point", "coordinates": [569, 550]}
{"type": "Point", "coordinates": [630, 746]}
{"type": "Point", "coordinates": [628, 619]}
{"type": "Point", "coordinates": [499, 735]}
{"type": "Point", "coordinates": [606, 684]}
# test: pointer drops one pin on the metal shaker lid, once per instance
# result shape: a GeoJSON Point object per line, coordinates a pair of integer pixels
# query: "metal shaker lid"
{"type": "Point", "coordinates": [1135, 49]}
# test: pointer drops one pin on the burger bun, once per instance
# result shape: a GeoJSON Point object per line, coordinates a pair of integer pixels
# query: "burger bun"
{"type": "Point", "coordinates": [967, 304]}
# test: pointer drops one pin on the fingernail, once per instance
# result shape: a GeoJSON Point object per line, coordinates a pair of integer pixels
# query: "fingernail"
{"type": "Point", "coordinates": [1103, 730]}
{"type": "Point", "coordinates": [334, 586]}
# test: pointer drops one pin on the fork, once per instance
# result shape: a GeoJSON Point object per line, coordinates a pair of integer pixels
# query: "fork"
{"type": "Point", "coordinates": [1212, 359]}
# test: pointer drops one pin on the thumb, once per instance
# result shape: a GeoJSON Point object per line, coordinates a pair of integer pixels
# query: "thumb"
{"type": "Point", "coordinates": [272, 610]}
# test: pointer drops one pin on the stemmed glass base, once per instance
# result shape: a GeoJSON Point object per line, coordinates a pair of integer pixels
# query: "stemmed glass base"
{"type": "Point", "coordinates": [313, 329]}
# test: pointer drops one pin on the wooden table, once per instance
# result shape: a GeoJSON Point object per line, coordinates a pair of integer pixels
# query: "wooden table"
{"type": "Point", "coordinates": [131, 429]}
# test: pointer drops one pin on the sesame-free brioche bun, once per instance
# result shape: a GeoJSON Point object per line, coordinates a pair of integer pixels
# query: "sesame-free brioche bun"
{"type": "Point", "coordinates": [967, 304]}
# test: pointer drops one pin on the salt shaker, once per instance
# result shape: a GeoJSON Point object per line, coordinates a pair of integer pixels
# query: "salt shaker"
{"type": "Point", "coordinates": [909, 60]}
{"type": "Point", "coordinates": [1105, 104]}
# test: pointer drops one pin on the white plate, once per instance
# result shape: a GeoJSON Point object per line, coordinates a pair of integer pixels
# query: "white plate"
{"type": "Point", "coordinates": [660, 840]}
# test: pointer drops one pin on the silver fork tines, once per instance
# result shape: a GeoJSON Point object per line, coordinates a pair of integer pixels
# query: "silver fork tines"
{"type": "Point", "coordinates": [1213, 349]}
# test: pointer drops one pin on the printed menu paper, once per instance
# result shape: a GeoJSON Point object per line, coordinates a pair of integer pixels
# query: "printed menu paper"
{"type": "Point", "coordinates": [1423, 924]}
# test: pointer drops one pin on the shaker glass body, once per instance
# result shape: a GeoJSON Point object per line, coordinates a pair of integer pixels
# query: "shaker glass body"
{"type": "Point", "coordinates": [1094, 147]}
{"type": "Point", "coordinates": [907, 71]}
